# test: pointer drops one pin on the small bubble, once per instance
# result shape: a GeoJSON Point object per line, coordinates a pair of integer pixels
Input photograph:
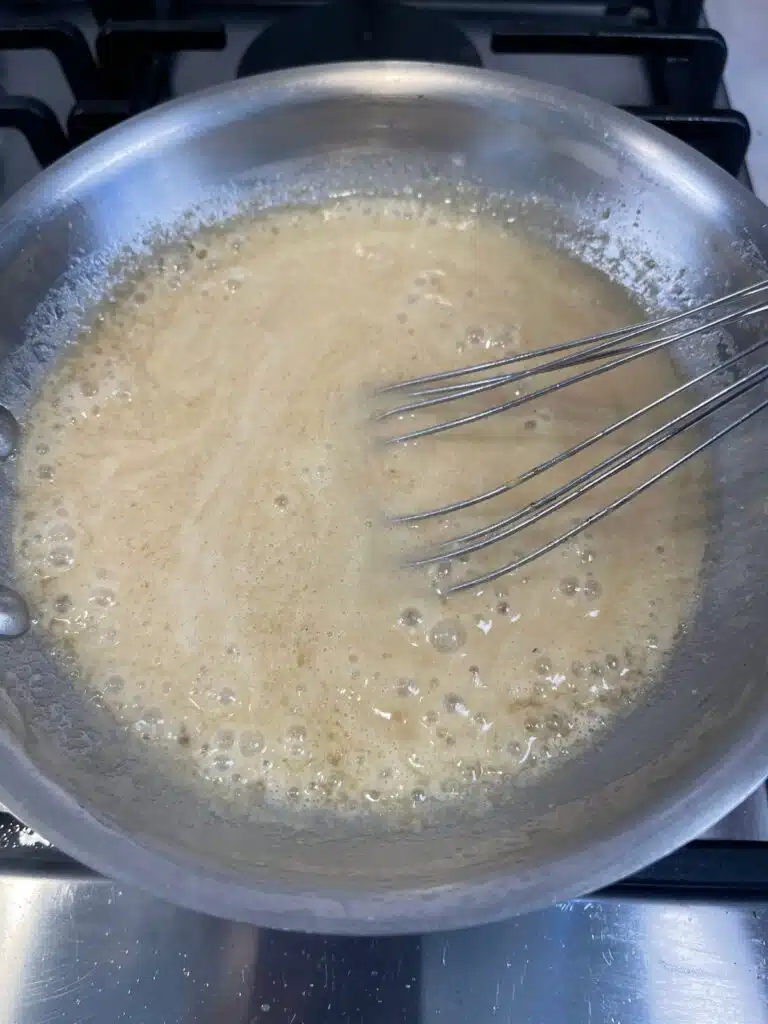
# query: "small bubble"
{"type": "Point", "coordinates": [503, 608]}
{"type": "Point", "coordinates": [294, 740]}
{"type": "Point", "coordinates": [225, 738]}
{"type": "Point", "coordinates": [530, 424]}
{"type": "Point", "coordinates": [222, 763]}
{"type": "Point", "coordinates": [227, 695]}
{"type": "Point", "coordinates": [474, 675]}
{"type": "Point", "coordinates": [411, 618]}
{"type": "Point", "coordinates": [418, 796]}
{"type": "Point", "coordinates": [481, 721]}
{"type": "Point", "coordinates": [46, 472]}
{"type": "Point", "coordinates": [586, 556]}
{"type": "Point", "coordinates": [430, 718]}
{"type": "Point", "coordinates": [455, 705]}
{"type": "Point", "coordinates": [114, 684]}
{"type": "Point", "coordinates": [591, 589]}
{"type": "Point", "coordinates": [407, 688]}
{"type": "Point", "coordinates": [42, 449]}
{"type": "Point", "coordinates": [577, 668]}
{"type": "Point", "coordinates": [281, 501]}
{"type": "Point", "coordinates": [61, 532]}
{"type": "Point", "coordinates": [569, 586]}
{"type": "Point", "coordinates": [447, 737]}
{"type": "Point", "coordinates": [103, 597]}
{"type": "Point", "coordinates": [476, 336]}
{"type": "Point", "coordinates": [257, 792]}
{"type": "Point", "coordinates": [543, 666]}
{"type": "Point", "coordinates": [62, 558]}
{"type": "Point", "coordinates": [372, 796]}
{"type": "Point", "coordinates": [447, 636]}
{"type": "Point", "coordinates": [612, 661]}
{"type": "Point", "coordinates": [63, 604]}
{"type": "Point", "coordinates": [450, 787]}
{"type": "Point", "coordinates": [441, 571]}
{"type": "Point", "coordinates": [558, 725]}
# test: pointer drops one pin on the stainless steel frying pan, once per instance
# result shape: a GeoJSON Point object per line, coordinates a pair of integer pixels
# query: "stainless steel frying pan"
{"type": "Point", "coordinates": [623, 196]}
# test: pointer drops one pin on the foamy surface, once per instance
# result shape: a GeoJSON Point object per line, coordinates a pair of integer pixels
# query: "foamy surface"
{"type": "Point", "coordinates": [201, 500]}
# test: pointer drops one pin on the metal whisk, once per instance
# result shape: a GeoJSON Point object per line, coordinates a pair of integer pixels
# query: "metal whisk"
{"type": "Point", "coordinates": [609, 350]}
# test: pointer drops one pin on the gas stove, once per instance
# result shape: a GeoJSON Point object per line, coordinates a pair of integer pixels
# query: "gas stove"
{"type": "Point", "coordinates": [684, 940]}
{"type": "Point", "coordinates": [74, 69]}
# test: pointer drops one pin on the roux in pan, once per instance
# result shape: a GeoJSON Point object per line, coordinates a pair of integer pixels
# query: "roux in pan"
{"type": "Point", "coordinates": [200, 514]}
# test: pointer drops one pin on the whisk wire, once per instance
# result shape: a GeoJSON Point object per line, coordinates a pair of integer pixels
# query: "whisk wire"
{"type": "Point", "coordinates": [611, 350]}
{"type": "Point", "coordinates": [587, 481]}
{"type": "Point", "coordinates": [632, 353]}
{"type": "Point", "coordinates": [614, 506]}
{"type": "Point", "coordinates": [617, 332]}
{"type": "Point", "coordinates": [576, 449]}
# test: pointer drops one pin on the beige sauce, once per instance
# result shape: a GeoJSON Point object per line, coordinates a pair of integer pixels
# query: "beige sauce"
{"type": "Point", "coordinates": [201, 499]}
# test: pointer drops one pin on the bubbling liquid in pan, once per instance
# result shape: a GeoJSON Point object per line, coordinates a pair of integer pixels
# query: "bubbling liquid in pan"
{"type": "Point", "coordinates": [199, 514]}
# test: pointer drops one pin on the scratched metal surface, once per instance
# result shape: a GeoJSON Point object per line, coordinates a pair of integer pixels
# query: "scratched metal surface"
{"type": "Point", "coordinates": [86, 951]}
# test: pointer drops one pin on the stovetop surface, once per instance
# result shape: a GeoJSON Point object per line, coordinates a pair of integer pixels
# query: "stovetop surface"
{"type": "Point", "coordinates": [93, 64]}
{"type": "Point", "coordinates": [684, 941]}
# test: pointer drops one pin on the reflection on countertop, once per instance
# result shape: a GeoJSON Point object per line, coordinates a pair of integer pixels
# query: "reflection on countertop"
{"type": "Point", "coordinates": [78, 949]}
{"type": "Point", "coordinates": [82, 951]}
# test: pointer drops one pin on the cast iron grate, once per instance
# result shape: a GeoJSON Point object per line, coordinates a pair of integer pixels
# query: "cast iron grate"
{"type": "Point", "coordinates": [130, 66]}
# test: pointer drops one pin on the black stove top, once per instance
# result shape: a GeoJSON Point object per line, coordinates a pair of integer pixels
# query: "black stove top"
{"type": "Point", "coordinates": [118, 57]}
{"type": "Point", "coordinates": [108, 59]}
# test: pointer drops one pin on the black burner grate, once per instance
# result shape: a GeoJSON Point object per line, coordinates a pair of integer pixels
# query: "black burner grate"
{"type": "Point", "coordinates": [130, 66]}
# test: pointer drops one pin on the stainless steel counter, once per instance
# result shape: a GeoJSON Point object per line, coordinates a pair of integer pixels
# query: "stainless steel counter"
{"type": "Point", "coordinates": [77, 952]}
